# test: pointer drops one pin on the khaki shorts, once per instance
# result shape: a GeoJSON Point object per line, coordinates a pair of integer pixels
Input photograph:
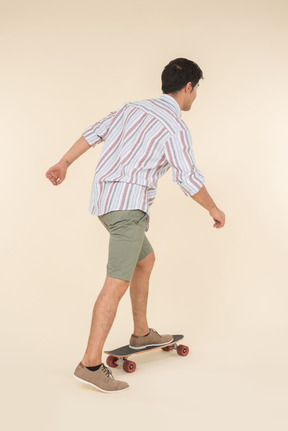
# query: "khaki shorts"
{"type": "Point", "coordinates": [128, 243]}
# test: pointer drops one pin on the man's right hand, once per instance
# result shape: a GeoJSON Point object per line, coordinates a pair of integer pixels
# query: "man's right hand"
{"type": "Point", "coordinates": [57, 173]}
{"type": "Point", "coordinates": [218, 217]}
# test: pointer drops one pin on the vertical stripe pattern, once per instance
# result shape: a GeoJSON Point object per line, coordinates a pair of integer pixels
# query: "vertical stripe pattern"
{"type": "Point", "coordinates": [143, 139]}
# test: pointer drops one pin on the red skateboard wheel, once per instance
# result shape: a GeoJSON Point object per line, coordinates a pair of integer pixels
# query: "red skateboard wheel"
{"type": "Point", "coordinates": [129, 366]}
{"type": "Point", "coordinates": [111, 361]}
{"type": "Point", "coordinates": [167, 348]}
{"type": "Point", "coordinates": [182, 350]}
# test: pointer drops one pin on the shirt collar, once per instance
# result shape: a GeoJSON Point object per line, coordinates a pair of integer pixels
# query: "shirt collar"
{"type": "Point", "coordinates": [171, 103]}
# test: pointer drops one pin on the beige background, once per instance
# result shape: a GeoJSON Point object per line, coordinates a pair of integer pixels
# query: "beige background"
{"type": "Point", "coordinates": [64, 66]}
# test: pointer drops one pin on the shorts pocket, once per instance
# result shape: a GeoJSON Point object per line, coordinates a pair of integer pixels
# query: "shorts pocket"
{"type": "Point", "coordinates": [141, 217]}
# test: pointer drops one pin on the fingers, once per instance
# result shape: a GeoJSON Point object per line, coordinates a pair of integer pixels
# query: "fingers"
{"type": "Point", "coordinates": [55, 179]}
{"type": "Point", "coordinates": [56, 176]}
{"type": "Point", "coordinates": [51, 178]}
{"type": "Point", "coordinates": [60, 180]}
{"type": "Point", "coordinates": [218, 223]}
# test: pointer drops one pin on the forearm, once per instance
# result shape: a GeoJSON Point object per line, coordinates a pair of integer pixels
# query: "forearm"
{"type": "Point", "coordinates": [80, 147]}
{"type": "Point", "coordinates": [204, 199]}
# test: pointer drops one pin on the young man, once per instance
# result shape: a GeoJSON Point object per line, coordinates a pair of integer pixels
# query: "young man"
{"type": "Point", "coordinates": [143, 140]}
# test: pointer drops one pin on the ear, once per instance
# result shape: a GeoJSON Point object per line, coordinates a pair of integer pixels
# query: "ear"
{"type": "Point", "coordinates": [188, 87]}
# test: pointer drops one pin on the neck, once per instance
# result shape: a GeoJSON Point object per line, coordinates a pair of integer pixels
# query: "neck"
{"type": "Point", "coordinates": [179, 99]}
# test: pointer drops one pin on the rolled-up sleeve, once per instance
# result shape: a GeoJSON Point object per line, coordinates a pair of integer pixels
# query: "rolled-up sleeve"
{"type": "Point", "coordinates": [97, 132]}
{"type": "Point", "coordinates": [179, 154]}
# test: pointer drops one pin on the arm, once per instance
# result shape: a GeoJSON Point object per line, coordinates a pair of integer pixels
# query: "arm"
{"type": "Point", "coordinates": [92, 136]}
{"type": "Point", "coordinates": [57, 173]}
{"type": "Point", "coordinates": [180, 156]}
{"type": "Point", "coordinates": [179, 153]}
{"type": "Point", "coordinates": [204, 199]}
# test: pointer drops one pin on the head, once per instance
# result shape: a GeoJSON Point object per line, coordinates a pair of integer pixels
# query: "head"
{"type": "Point", "coordinates": [180, 79]}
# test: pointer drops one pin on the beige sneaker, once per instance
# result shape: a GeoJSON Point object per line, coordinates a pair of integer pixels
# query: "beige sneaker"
{"type": "Point", "coordinates": [101, 379]}
{"type": "Point", "coordinates": [153, 339]}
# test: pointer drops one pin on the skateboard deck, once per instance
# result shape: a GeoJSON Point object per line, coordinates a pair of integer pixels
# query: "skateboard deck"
{"type": "Point", "coordinates": [122, 353]}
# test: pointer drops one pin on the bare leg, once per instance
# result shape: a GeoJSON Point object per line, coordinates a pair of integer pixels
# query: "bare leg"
{"type": "Point", "coordinates": [104, 312]}
{"type": "Point", "coordinates": [139, 287]}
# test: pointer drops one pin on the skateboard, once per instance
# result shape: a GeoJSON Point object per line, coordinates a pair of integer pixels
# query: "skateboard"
{"type": "Point", "coordinates": [122, 353]}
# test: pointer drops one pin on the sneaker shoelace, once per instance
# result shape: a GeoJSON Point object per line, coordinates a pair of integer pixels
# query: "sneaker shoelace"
{"type": "Point", "coordinates": [107, 372]}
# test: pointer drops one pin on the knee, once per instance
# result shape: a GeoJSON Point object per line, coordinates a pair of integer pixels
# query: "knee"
{"type": "Point", "coordinates": [116, 286]}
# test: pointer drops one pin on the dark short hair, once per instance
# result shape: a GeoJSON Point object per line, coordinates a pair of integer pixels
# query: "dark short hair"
{"type": "Point", "coordinates": [178, 73]}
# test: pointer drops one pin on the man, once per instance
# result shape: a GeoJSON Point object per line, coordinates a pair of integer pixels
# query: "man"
{"type": "Point", "coordinates": [143, 140]}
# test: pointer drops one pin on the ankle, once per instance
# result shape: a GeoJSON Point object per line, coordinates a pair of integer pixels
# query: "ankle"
{"type": "Point", "coordinates": [91, 362]}
{"type": "Point", "coordinates": [141, 332]}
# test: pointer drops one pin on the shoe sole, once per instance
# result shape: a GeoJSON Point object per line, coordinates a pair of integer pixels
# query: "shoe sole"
{"type": "Point", "coordinates": [151, 345]}
{"type": "Point", "coordinates": [97, 387]}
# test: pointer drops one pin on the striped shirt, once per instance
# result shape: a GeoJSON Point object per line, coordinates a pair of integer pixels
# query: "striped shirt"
{"type": "Point", "coordinates": [143, 139]}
